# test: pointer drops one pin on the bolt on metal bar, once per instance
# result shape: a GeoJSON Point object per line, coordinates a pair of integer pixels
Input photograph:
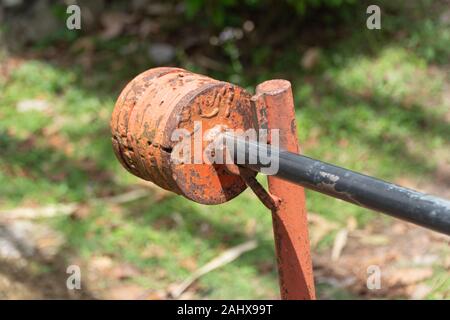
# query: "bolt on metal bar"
{"type": "Point", "coordinates": [365, 191]}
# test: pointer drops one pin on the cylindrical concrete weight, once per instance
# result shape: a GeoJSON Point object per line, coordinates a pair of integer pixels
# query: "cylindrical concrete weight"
{"type": "Point", "coordinates": [157, 103]}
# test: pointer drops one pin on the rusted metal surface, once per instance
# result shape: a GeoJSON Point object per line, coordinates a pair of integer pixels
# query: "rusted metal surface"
{"type": "Point", "coordinates": [271, 202]}
{"type": "Point", "coordinates": [275, 108]}
{"type": "Point", "coordinates": [121, 115]}
{"type": "Point", "coordinates": [161, 100]}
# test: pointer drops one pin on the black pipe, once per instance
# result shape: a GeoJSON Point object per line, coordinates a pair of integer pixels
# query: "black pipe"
{"type": "Point", "coordinates": [365, 191]}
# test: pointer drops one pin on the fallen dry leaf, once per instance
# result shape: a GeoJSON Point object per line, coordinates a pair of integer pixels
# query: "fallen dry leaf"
{"type": "Point", "coordinates": [310, 58]}
{"type": "Point", "coordinates": [339, 243]}
{"type": "Point", "coordinates": [126, 292]}
{"type": "Point", "coordinates": [406, 276]}
{"type": "Point", "coordinates": [420, 292]}
{"type": "Point", "coordinates": [124, 271]}
{"type": "Point", "coordinates": [176, 290]}
{"type": "Point", "coordinates": [114, 23]}
{"type": "Point", "coordinates": [33, 105]}
{"type": "Point", "coordinates": [101, 263]}
{"type": "Point", "coordinates": [319, 227]}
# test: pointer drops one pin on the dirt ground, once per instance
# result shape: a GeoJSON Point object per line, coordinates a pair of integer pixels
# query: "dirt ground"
{"type": "Point", "coordinates": [32, 266]}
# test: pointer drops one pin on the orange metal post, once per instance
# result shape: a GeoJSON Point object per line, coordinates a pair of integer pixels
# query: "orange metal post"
{"type": "Point", "coordinates": [274, 101]}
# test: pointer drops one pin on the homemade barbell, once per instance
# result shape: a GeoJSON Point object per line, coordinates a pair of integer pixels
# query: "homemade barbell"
{"type": "Point", "coordinates": [162, 101]}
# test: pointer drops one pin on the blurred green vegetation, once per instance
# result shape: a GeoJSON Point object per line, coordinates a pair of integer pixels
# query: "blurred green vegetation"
{"type": "Point", "coordinates": [223, 13]}
{"type": "Point", "coordinates": [371, 101]}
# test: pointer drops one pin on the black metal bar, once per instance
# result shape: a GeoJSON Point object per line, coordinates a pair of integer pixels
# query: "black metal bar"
{"type": "Point", "coordinates": [365, 191]}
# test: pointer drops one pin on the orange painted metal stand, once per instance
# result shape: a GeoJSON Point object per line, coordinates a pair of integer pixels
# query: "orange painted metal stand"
{"type": "Point", "coordinates": [274, 101]}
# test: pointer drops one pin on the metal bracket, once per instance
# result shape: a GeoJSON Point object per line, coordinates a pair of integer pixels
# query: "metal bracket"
{"type": "Point", "coordinates": [270, 201]}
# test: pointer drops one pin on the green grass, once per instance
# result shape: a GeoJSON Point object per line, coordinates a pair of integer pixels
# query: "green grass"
{"type": "Point", "coordinates": [378, 113]}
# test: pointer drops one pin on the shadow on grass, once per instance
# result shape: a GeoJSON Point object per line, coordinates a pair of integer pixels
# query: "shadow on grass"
{"type": "Point", "coordinates": [418, 123]}
{"type": "Point", "coordinates": [40, 162]}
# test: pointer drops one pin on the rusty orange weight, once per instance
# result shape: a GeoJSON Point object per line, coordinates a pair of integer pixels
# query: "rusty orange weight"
{"type": "Point", "coordinates": [159, 101]}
